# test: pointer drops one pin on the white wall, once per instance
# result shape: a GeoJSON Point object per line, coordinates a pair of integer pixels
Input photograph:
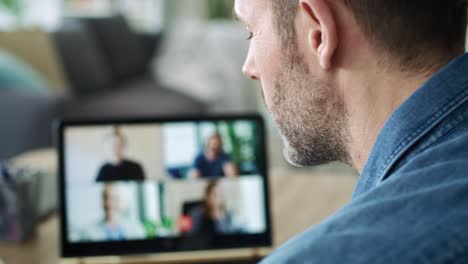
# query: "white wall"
{"type": "Point", "coordinates": [44, 13]}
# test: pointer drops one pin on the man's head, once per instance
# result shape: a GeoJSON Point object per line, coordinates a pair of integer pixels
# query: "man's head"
{"type": "Point", "coordinates": [111, 202]}
{"type": "Point", "coordinates": [212, 196]}
{"type": "Point", "coordinates": [117, 143]}
{"type": "Point", "coordinates": [301, 51]}
{"type": "Point", "coordinates": [214, 144]}
{"type": "Point", "coordinates": [414, 35]}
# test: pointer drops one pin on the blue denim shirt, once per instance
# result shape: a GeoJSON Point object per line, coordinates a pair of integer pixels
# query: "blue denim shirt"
{"type": "Point", "coordinates": [410, 204]}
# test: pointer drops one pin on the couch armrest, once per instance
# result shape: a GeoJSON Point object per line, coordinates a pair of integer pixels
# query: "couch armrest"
{"type": "Point", "coordinates": [26, 120]}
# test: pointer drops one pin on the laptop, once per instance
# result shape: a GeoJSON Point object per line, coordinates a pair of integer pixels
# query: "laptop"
{"type": "Point", "coordinates": [164, 190]}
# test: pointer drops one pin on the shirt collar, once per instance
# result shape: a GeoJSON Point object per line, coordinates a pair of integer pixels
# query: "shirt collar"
{"type": "Point", "coordinates": [429, 105]}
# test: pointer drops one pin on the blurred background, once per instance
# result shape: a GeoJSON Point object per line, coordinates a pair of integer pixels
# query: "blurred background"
{"type": "Point", "coordinates": [111, 58]}
{"type": "Point", "coordinates": [114, 58]}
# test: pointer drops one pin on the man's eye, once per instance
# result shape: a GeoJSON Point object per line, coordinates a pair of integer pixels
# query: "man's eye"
{"type": "Point", "coordinates": [250, 36]}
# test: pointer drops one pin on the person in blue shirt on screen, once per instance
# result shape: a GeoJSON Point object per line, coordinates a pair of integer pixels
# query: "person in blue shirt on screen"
{"type": "Point", "coordinates": [381, 85]}
{"type": "Point", "coordinates": [213, 162]}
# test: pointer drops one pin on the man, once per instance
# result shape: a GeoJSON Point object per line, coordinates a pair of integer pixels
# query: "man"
{"type": "Point", "coordinates": [114, 227]}
{"type": "Point", "coordinates": [213, 162]}
{"type": "Point", "coordinates": [120, 168]}
{"type": "Point", "coordinates": [383, 86]}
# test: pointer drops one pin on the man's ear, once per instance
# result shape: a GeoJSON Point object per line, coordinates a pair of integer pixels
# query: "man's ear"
{"type": "Point", "coordinates": [321, 32]}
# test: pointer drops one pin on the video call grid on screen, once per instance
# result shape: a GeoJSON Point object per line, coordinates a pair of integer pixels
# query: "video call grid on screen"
{"type": "Point", "coordinates": [167, 181]}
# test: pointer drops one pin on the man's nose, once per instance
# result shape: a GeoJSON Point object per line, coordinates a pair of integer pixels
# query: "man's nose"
{"type": "Point", "coordinates": [250, 68]}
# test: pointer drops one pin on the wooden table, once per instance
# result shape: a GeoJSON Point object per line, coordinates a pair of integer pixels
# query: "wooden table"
{"type": "Point", "coordinates": [300, 198]}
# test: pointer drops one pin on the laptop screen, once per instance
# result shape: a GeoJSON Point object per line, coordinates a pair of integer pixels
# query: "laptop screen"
{"type": "Point", "coordinates": [148, 186]}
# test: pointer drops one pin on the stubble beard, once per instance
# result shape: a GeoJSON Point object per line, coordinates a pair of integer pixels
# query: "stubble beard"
{"type": "Point", "coordinates": [310, 115]}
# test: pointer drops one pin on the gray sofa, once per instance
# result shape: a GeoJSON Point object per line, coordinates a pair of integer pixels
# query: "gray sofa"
{"type": "Point", "coordinates": [107, 66]}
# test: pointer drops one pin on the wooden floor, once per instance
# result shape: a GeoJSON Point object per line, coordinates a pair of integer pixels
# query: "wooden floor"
{"type": "Point", "coordinates": [300, 199]}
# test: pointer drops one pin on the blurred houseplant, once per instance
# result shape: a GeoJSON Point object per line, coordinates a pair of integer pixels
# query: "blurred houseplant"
{"type": "Point", "coordinates": [220, 9]}
{"type": "Point", "coordinates": [13, 7]}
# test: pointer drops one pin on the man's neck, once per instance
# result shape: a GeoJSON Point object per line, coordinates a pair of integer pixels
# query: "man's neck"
{"type": "Point", "coordinates": [371, 98]}
{"type": "Point", "coordinates": [117, 161]}
{"type": "Point", "coordinates": [110, 221]}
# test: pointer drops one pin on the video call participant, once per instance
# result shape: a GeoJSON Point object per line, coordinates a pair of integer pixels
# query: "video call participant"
{"type": "Point", "coordinates": [120, 168]}
{"type": "Point", "coordinates": [212, 217]}
{"type": "Point", "coordinates": [114, 226]}
{"type": "Point", "coordinates": [213, 162]}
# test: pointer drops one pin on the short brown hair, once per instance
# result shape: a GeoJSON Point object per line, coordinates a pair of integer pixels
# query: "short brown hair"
{"type": "Point", "coordinates": [419, 33]}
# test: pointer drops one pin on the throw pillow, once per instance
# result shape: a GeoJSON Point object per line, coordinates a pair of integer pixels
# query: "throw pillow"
{"type": "Point", "coordinates": [17, 74]}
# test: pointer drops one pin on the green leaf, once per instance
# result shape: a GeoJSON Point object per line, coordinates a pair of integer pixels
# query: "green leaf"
{"type": "Point", "coordinates": [220, 9]}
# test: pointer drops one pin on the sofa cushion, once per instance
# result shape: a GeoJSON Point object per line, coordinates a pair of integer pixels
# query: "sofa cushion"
{"type": "Point", "coordinates": [122, 48]}
{"type": "Point", "coordinates": [135, 99]}
{"type": "Point", "coordinates": [18, 75]}
{"type": "Point", "coordinates": [86, 68]}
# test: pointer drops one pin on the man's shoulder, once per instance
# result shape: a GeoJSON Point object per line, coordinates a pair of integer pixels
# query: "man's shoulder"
{"type": "Point", "coordinates": [93, 232]}
{"type": "Point", "coordinates": [104, 172]}
{"type": "Point", "coordinates": [132, 164]}
{"type": "Point", "coordinates": [132, 229]}
{"type": "Point", "coordinates": [443, 148]}
{"type": "Point", "coordinates": [406, 219]}
{"type": "Point", "coordinates": [200, 157]}
{"type": "Point", "coordinates": [106, 166]}
{"type": "Point", "coordinates": [442, 152]}
{"type": "Point", "coordinates": [224, 156]}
